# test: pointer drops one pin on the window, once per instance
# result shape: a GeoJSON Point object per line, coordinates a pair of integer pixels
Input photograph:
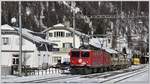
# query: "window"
{"type": "Point", "coordinates": [108, 40]}
{"type": "Point", "coordinates": [67, 45]}
{"type": "Point", "coordinates": [50, 34]}
{"type": "Point", "coordinates": [15, 59]}
{"type": "Point", "coordinates": [56, 59]}
{"type": "Point", "coordinates": [5, 40]}
{"type": "Point", "coordinates": [69, 35]}
{"type": "Point", "coordinates": [75, 54]}
{"type": "Point", "coordinates": [85, 54]}
{"type": "Point", "coordinates": [59, 34]}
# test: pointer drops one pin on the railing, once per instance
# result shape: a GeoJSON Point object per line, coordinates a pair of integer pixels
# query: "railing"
{"type": "Point", "coordinates": [64, 49]}
{"type": "Point", "coordinates": [39, 71]}
{"type": "Point", "coordinates": [49, 70]}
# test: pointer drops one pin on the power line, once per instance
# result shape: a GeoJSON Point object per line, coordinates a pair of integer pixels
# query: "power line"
{"type": "Point", "coordinates": [115, 16]}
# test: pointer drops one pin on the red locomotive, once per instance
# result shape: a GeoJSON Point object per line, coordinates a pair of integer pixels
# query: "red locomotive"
{"type": "Point", "coordinates": [85, 61]}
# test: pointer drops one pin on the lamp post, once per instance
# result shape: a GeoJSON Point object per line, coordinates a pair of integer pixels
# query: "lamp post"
{"type": "Point", "coordinates": [0, 44]}
{"type": "Point", "coordinates": [140, 23]}
{"type": "Point", "coordinates": [20, 41]}
{"type": "Point", "coordinates": [13, 21]}
{"type": "Point", "coordinates": [73, 4]}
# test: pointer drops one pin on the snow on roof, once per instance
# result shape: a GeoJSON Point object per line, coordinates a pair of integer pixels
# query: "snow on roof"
{"type": "Point", "coordinates": [77, 32]}
{"type": "Point", "coordinates": [6, 27]}
{"type": "Point", "coordinates": [25, 32]}
{"type": "Point", "coordinates": [109, 50]}
{"type": "Point", "coordinates": [59, 25]}
{"type": "Point", "coordinates": [95, 42]}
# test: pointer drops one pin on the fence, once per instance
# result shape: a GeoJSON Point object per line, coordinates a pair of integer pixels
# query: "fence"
{"type": "Point", "coordinates": [50, 70]}
{"type": "Point", "coordinates": [5, 70]}
{"type": "Point", "coordinates": [39, 71]}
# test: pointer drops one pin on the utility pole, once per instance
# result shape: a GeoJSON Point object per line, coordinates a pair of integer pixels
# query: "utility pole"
{"type": "Point", "coordinates": [0, 45]}
{"type": "Point", "coordinates": [74, 25]}
{"type": "Point", "coordinates": [20, 41]}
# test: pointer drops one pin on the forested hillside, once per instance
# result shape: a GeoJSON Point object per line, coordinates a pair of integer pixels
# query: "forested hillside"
{"type": "Point", "coordinates": [38, 16]}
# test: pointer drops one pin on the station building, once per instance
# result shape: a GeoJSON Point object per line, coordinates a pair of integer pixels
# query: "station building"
{"type": "Point", "coordinates": [63, 36]}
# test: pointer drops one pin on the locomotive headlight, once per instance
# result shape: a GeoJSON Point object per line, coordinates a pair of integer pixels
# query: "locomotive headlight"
{"type": "Point", "coordinates": [80, 60]}
{"type": "Point", "coordinates": [83, 63]}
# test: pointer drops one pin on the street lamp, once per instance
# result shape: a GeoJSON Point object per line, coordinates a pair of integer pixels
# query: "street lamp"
{"type": "Point", "coordinates": [20, 41]}
{"type": "Point", "coordinates": [73, 4]}
{"type": "Point", "coordinates": [0, 45]}
{"type": "Point", "coordinates": [13, 20]}
{"type": "Point", "coordinates": [28, 11]}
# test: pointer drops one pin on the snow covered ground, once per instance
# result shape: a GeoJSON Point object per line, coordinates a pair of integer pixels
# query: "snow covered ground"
{"type": "Point", "coordinates": [140, 79]}
{"type": "Point", "coordinates": [52, 78]}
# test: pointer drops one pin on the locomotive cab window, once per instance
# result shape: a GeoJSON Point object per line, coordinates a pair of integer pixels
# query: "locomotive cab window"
{"type": "Point", "coordinates": [75, 54]}
{"type": "Point", "coordinates": [85, 54]}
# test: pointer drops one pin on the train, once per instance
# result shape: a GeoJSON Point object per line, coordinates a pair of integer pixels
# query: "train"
{"type": "Point", "coordinates": [87, 61]}
{"type": "Point", "coordinates": [136, 59]}
{"type": "Point", "coordinates": [139, 59]}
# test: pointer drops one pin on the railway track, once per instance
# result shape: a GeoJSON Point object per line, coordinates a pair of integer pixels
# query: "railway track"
{"type": "Point", "coordinates": [116, 79]}
{"type": "Point", "coordinates": [50, 79]}
{"type": "Point", "coordinates": [111, 73]}
{"type": "Point", "coordinates": [102, 76]}
{"type": "Point", "coordinates": [99, 77]}
{"type": "Point", "coordinates": [129, 76]}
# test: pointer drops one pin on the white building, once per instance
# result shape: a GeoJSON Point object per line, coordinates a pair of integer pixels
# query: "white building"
{"type": "Point", "coordinates": [35, 50]}
{"type": "Point", "coordinates": [63, 37]}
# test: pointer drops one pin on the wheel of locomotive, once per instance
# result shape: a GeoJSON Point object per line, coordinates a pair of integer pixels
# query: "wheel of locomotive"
{"type": "Point", "coordinates": [94, 70]}
{"type": "Point", "coordinates": [99, 70]}
{"type": "Point", "coordinates": [83, 71]}
{"type": "Point", "coordinates": [87, 71]}
{"type": "Point", "coordinates": [108, 68]}
{"type": "Point", "coordinates": [74, 71]}
{"type": "Point", "coordinates": [105, 69]}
